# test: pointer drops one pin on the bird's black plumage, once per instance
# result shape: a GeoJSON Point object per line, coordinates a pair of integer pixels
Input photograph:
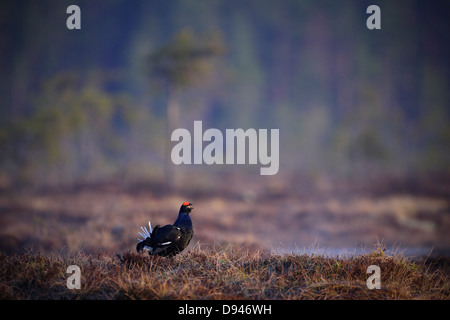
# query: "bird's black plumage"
{"type": "Point", "coordinates": [170, 239]}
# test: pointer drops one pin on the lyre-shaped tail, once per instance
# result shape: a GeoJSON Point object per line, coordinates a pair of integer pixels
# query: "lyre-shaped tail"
{"type": "Point", "coordinates": [146, 233]}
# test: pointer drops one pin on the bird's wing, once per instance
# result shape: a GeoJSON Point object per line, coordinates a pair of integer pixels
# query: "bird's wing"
{"type": "Point", "coordinates": [166, 235]}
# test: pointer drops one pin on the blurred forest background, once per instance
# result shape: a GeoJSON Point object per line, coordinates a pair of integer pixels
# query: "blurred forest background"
{"type": "Point", "coordinates": [352, 104]}
{"type": "Point", "coordinates": [85, 104]}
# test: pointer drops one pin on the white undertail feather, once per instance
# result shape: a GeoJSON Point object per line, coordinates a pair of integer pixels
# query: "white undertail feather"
{"type": "Point", "coordinates": [146, 233]}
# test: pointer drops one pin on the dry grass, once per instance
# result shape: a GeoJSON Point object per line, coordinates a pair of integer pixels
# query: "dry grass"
{"type": "Point", "coordinates": [220, 273]}
{"type": "Point", "coordinates": [288, 211]}
{"type": "Point", "coordinates": [95, 227]}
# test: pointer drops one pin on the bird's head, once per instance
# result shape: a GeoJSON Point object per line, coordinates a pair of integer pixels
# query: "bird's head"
{"type": "Point", "coordinates": [186, 207]}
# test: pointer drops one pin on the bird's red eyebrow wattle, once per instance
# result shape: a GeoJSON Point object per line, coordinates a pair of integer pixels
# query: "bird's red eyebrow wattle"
{"type": "Point", "coordinates": [185, 203]}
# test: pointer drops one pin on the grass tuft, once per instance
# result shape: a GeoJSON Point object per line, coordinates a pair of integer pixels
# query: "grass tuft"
{"type": "Point", "coordinates": [221, 273]}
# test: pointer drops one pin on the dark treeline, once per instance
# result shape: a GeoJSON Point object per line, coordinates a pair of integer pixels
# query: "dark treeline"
{"type": "Point", "coordinates": [84, 104]}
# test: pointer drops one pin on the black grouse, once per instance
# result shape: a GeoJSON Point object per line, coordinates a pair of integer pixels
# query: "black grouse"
{"type": "Point", "coordinates": [169, 240]}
